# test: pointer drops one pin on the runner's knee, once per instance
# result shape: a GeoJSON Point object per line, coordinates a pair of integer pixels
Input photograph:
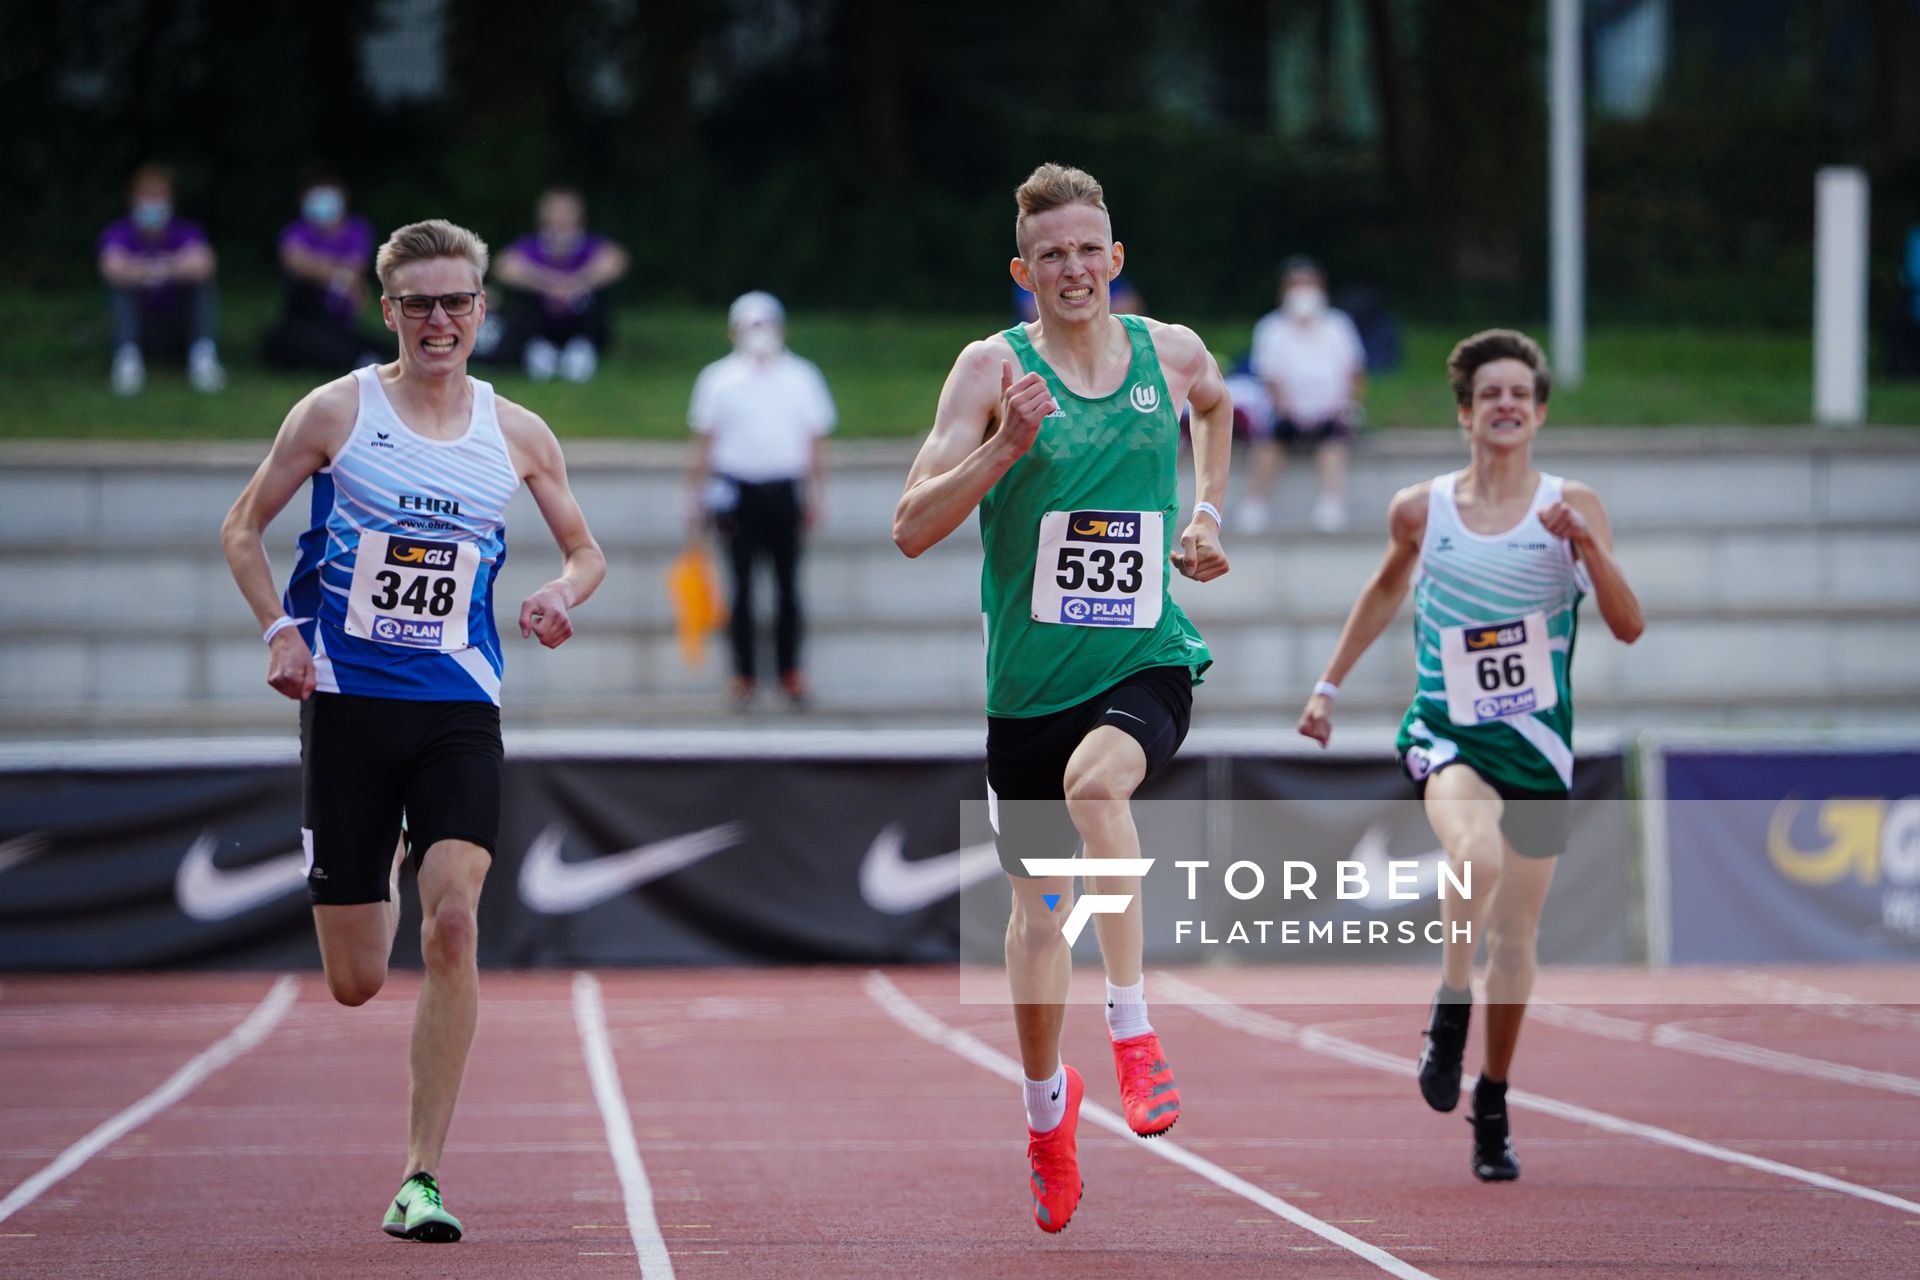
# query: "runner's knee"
{"type": "Point", "coordinates": [1510, 943]}
{"type": "Point", "coordinates": [450, 937]}
{"type": "Point", "coordinates": [353, 984]}
{"type": "Point", "coordinates": [1033, 930]}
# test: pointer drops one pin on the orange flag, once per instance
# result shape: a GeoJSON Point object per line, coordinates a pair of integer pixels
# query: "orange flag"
{"type": "Point", "coordinates": [696, 602]}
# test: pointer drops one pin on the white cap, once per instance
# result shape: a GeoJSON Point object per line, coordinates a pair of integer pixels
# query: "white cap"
{"type": "Point", "coordinates": [758, 307]}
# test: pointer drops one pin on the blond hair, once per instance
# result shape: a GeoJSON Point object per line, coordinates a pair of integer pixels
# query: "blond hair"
{"type": "Point", "coordinates": [434, 238]}
{"type": "Point", "coordinates": [1496, 344]}
{"type": "Point", "coordinates": [1053, 186]}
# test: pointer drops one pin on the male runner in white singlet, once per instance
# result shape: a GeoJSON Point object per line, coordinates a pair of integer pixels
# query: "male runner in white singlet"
{"type": "Point", "coordinates": [386, 637]}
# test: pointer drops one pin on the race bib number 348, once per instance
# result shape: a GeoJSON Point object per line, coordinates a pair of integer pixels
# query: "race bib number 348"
{"type": "Point", "coordinates": [1100, 569]}
{"type": "Point", "coordinates": [1499, 669]}
{"type": "Point", "coordinates": [412, 592]}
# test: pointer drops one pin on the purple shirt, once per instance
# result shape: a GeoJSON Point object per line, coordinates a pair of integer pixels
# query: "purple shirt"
{"type": "Point", "coordinates": [176, 235]}
{"type": "Point", "coordinates": [534, 249]}
{"type": "Point", "coordinates": [348, 243]}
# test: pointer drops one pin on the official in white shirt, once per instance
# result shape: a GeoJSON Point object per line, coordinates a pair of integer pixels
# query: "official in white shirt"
{"type": "Point", "coordinates": [760, 418]}
{"type": "Point", "coordinates": [1309, 361]}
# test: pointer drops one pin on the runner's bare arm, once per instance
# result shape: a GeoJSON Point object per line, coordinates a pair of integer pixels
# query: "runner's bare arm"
{"type": "Point", "coordinates": [1580, 519]}
{"type": "Point", "coordinates": [1196, 380]}
{"type": "Point", "coordinates": [986, 421]}
{"type": "Point", "coordinates": [537, 456]}
{"type": "Point", "coordinates": [312, 434]}
{"type": "Point", "coordinates": [1379, 600]}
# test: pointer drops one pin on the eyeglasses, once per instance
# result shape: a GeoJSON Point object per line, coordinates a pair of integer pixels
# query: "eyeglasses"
{"type": "Point", "coordinates": [418, 306]}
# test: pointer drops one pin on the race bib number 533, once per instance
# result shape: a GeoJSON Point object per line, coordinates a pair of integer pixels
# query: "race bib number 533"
{"type": "Point", "coordinates": [412, 591]}
{"type": "Point", "coordinates": [1498, 669]}
{"type": "Point", "coordinates": [1100, 569]}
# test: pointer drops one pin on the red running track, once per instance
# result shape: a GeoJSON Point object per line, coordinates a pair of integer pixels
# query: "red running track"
{"type": "Point", "coordinates": [790, 1123]}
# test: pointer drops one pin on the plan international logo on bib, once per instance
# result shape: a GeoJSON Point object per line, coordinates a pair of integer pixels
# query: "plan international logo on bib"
{"type": "Point", "coordinates": [406, 631]}
{"type": "Point", "coordinates": [1096, 611]}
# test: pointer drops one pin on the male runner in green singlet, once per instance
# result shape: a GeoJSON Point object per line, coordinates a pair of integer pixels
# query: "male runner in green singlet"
{"type": "Point", "coordinates": [1065, 433]}
{"type": "Point", "coordinates": [1505, 554]}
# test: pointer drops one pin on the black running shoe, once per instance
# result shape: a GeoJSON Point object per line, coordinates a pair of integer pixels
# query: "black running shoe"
{"type": "Point", "coordinates": [1493, 1158]}
{"type": "Point", "coordinates": [1439, 1065]}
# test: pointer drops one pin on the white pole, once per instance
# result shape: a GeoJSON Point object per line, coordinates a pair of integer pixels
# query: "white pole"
{"type": "Point", "coordinates": [1840, 296]}
{"type": "Point", "coordinates": [1567, 167]}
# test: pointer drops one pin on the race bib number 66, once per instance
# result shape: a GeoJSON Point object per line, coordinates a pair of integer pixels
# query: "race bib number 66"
{"type": "Point", "coordinates": [412, 591]}
{"type": "Point", "coordinates": [1498, 670]}
{"type": "Point", "coordinates": [1100, 569]}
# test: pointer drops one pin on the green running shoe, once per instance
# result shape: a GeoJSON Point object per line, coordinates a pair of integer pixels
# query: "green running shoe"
{"type": "Point", "coordinates": [416, 1213]}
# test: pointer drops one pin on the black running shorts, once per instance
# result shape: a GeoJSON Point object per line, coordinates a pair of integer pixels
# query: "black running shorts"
{"type": "Point", "coordinates": [367, 762]}
{"type": "Point", "coordinates": [1027, 757]}
{"type": "Point", "coordinates": [1535, 823]}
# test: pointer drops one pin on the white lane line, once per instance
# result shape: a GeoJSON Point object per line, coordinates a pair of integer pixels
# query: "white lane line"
{"type": "Point", "coordinates": [591, 1015]}
{"type": "Point", "coordinates": [250, 1032]}
{"type": "Point", "coordinates": [910, 1015]}
{"type": "Point", "coordinates": [1834, 1004]}
{"type": "Point", "coordinates": [1218, 1009]}
{"type": "Point", "coordinates": [1677, 1036]}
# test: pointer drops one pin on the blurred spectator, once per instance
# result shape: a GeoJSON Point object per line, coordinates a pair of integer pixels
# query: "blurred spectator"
{"type": "Point", "coordinates": [1378, 328]}
{"type": "Point", "coordinates": [1904, 349]}
{"type": "Point", "coordinates": [158, 269]}
{"type": "Point", "coordinates": [1310, 361]}
{"type": "Point", "coordinates": [556, 319]}
{"type": "Point", "coordinates": [761, 416]}
{"type": "Point", "coordinates": [326, 255]}
{"type": "Point", "coordinates": [1123, 298]}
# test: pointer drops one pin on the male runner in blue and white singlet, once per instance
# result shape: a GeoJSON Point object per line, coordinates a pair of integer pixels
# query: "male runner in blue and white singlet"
{"type": "Point", "coordinates": [386, 636]}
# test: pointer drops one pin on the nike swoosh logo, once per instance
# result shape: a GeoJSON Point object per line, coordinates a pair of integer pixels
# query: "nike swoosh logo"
{"type": "Point", "coordinates": [896, 886]}
{"type": "Point", "coordinates": [555, 887]}
{"type": "Point", "coordinates": [19, 849]}
{"type": "Point", "coordinates": [206, 892]}
{"type": "Point", "coordinates": [1370, 851]}
{"type": "Point", "coordinates": [1115, 711]}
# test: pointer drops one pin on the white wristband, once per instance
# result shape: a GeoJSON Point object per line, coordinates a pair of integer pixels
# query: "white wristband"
{"type": "Point", "coordinates": [1326, 689]}
{"type": "Point", "coordinates": [1211, 510]}
{"type": "Point", "coordinates": [280, 624]}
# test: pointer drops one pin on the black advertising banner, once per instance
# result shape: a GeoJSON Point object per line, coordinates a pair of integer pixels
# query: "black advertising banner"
{"type": "Point", "coordinates": [1368, 816]}
{"type": "Point", "coordinates": [675, 860]}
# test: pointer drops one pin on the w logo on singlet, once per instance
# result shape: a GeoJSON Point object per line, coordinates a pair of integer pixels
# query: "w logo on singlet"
{"type": "Point", "coordinates": [1145, 397]}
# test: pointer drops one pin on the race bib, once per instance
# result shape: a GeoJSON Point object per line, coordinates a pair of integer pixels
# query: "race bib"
{"type": "Point", "coordinates": [1498, 670]}
{"type": "Point", "coordinates": [413, 592]}
{"type": "Point", "coordinates": [1100, 569]}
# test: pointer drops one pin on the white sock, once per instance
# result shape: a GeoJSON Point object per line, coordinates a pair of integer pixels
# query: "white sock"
{"type": "Point", "coordinates": [1047, 1101]}
{"type": "Point", "coordinates": [1127, 1011]}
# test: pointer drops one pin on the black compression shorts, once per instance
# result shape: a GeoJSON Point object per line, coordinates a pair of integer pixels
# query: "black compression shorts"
{"type": "Point", "coordinates": [367, 762]}
{"type": "Point", "coordinates": [1027, 757]}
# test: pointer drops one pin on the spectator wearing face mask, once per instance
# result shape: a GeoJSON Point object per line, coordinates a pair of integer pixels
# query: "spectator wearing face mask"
{"type": "Point", "coordinates": [1310, 363]}
{"type": "Point", "coordinates": [158, 269]}
{"type": "Point", "coordinates": [760, 416]}
{"type": "Point", "coordinates": [556, 314]}
{"type": "Point", "coordinates": [326, 259]}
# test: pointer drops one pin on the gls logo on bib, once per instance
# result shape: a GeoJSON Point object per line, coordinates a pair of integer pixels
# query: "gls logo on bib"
{"type": "Point", "coordinates": [1145, 397]}
{"type": "Point", "coordinates": [421, 554]}
{"type": "Point", "coordinates": [1104, 526]}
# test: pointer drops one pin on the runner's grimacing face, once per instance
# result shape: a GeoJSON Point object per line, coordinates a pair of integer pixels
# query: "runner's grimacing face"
{"type": "Point", "coordinates": [1070, 259]}
{"type": "Point", "coordinates": [440, 343]}
{"type": "Point", "coordinates": [1503, 413]}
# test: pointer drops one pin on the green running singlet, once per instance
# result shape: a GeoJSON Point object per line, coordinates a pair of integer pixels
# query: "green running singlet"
{"type": "Point", "coordinates": [1101, 462]}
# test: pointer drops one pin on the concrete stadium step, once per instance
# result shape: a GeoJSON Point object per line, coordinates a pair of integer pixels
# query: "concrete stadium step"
{"type": "Point", "coordinates": [1780, 570]}
{"type": "Point", "coordinates": [1281, 578]}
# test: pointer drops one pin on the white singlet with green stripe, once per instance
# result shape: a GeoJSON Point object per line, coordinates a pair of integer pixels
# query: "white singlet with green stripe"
{"type": "Point", "coordinates": [1493, 630]}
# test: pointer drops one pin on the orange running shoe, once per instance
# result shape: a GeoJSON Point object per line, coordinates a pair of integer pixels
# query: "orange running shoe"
{"type": "Point", "coordinates": [1147, 1092]}
{"type": "Point", "coordinates": [1055, 1157]}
